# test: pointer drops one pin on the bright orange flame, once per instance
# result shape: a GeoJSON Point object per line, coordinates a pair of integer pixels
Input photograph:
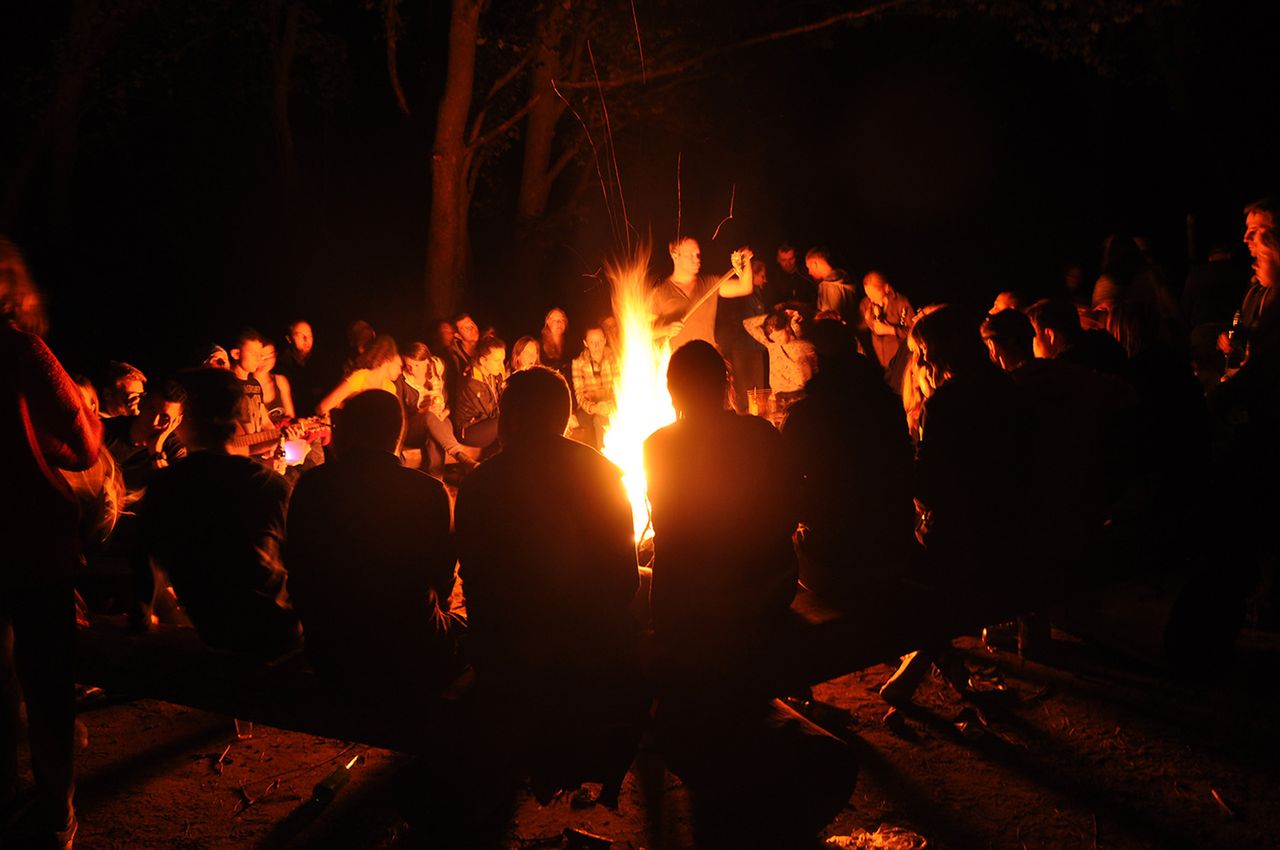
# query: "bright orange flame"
{"type": "Point", "coordinates": [640, 388]}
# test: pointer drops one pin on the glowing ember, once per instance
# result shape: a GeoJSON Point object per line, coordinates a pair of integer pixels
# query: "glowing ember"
{"type": "Point", "coordinates": [640, 390]}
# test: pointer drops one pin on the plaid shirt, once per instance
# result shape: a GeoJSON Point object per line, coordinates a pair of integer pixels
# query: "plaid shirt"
{"type": "Point", "coordinates": [593, 382]}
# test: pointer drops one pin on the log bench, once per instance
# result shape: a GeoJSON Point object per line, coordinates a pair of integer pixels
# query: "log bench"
{"type": "Point", "coordinates": [170, 663]}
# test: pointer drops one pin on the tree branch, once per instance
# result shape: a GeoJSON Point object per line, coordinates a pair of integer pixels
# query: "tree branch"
{"type": "Point", "coordinates": [513, 72]}
{"type": "Point", "coordinates": [392, 22]}
{"type": "Point", "coordinates": [477, 142]}
{"type": "Point", "coordinates": [685, 64]}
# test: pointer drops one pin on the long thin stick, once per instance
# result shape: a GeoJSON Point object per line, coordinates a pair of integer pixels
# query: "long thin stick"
{"type": "Point", "coordinates": [595, 155]}
{"type": "Point", "coordinates": [613, 152]}
{"type": "Point", "coordinates": [732, 192]}
{"type": "Point", "coordinates": [644, 77]}
{"type": "Point", "coordinates": [706, 296]}
{"type": "Point", "coordinates": [679, 202]}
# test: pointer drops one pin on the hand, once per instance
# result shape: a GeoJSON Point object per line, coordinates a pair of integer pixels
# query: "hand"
{"type": "Point", "coordinates": [674, 329]}
{"type": "Point", "coordinates": [295, 431]}
{"type": "Point", "coordinates": [1224, 342]}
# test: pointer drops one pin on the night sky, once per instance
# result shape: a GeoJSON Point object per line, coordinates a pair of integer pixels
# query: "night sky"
{"type": "Point", "coordinates": [944, 150]}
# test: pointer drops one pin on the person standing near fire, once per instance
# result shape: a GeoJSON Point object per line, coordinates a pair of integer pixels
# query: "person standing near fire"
{"type": "Point", "coordinates": [682, 305]}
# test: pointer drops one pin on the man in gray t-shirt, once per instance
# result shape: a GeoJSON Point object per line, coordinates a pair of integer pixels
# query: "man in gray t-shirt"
{"type": "Point", "coordinates": [681, 307]}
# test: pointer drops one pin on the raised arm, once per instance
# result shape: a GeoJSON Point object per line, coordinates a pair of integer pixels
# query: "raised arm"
{"type": "Point", "coordinates": [755, 327]}
{"type": "Point", "coordinates": [742, 281]}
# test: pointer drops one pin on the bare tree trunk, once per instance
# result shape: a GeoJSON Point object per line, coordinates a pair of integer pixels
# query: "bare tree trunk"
{"type": "Point", "coordinates": [54, 139]}
{"type": "Point", "coordinates": [540, 125]}
{"type": "Point", "coordinates": [451, 158]}
{"type": "Point", "coordinates": [284, 40]}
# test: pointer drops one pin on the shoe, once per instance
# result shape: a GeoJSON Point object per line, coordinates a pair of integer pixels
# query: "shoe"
{"type": "Point", "coordinates": [902, 685]}
{"type": "Point", "coordinates": [463, 460]}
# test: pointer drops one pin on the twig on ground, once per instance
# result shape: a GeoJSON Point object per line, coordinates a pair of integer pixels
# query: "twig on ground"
{"type": "Point", "coordinates": [1222, 804]}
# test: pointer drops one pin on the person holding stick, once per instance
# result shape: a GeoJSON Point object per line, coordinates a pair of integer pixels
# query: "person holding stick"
{"type": "Point", "coordinates": [684, 304]}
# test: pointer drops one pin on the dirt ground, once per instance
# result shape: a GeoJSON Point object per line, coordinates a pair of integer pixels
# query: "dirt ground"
{"type": "Point", "coordinates": [1089, 751]}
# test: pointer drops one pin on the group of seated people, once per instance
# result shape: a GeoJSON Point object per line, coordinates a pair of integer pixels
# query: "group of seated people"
{"type": "Point", "coordinates": [941, 468]}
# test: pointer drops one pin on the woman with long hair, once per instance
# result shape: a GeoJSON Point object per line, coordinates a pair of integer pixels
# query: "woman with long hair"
{"type": "Point", "coordinates": [525, 354]}
{"type": "Point", "coordinates": [555, 327]}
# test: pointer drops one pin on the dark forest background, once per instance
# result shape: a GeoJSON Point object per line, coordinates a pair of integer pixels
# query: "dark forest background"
{"type": "Point", "coordinates": [962, 148]}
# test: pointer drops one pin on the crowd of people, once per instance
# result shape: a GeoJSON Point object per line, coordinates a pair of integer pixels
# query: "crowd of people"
{"type": "Point", "coordinates": [948, 467]}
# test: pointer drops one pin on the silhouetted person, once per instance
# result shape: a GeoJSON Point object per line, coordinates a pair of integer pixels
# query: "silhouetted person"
{"type": "Point", "coordinates": [1079, 454]}
{"type": "Point", "coordinates": [971, 487]}
{"type": "Point", "coordinates": [724, 575]}
{"type": "Point", "coordinates": [214, 522]}
{"type": "Point", "coordinates": [548, 560]}
{"type": "Point", "coordinates": [44, 427]}
{"type": "Point", "coordinates": [371, 565]}
{"type": "Point", "coordinates": [848, 441]}
{"type": "Point", "coordinates": [723, 514]}
{"type": "Point", "coordinates": [1059, 335]}
{"type": "Point", "coordinates": [1249, 404]}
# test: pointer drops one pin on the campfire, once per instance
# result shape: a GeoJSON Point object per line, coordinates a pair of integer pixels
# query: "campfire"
{"type": "Point", "coordinates": [643, 403]}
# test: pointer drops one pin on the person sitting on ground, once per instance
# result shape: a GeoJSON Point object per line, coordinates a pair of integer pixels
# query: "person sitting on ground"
{"type": "Point", "coordinates": [214, 522]}
{"type": "Point", "coordinates": [216, 357]}
{"type": "Point", "coordinates": [298, 365]}
{"type": "Point", "coordinates": [476, 406]}
{"type": "Point", "coordinates": [792, 360]}
{"type": "Point", "coordinates": [1059, 334]}
{"type": "Point", "coordinates": [525, 354]}
{"type": "Point", "coordinates": [548, 560]}
{"type": "Point", "coordinates": [383, 637]}
{"type": "Point", "coordinates": [724, 575]}
{"type": "Point", "coordinates": [44, 428]}
{"type": "Point", "coordinates": [594, 373]}
{"type": "Point", "coordinates": [421, 390]}
{"type": "Point", "coordinates": [360, 335]}
{"type": "Point", "coordinates": [147, 442]}
{"type": "Point", "coordinates": [88, 393]}
{"type": "Point", "coordinates": [257, 431]}
{"type": "Point", "coordinates": [1007, 300]}
{"type": "Point", "coordinates": [971, 492]}
{"type": "Point", "coordinates": [376, 369]}
{"type": "Point", "coordinates": [277, 392]}
{"type": "Point", "coordinates": [1081, 447]}
{"type": "Point", "coordinates": [121, 390]}
{"type": "Point", "coordinates": [848, 442]}
{"type": "Point", "coordinates": [554, 342]}
{"type": "Point", "coordinates": [460, 356]}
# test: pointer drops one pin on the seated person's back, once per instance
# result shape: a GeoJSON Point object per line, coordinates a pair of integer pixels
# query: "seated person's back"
{"type": "Point", "coordinates": [549, 568]}
{"type": "Point", "coordinates": [214, 522]}
{"type": "Point", "coordinates": [848, 442]}
{"type": "Point", "coordinates": [371, 564]}
{"type": "Point", "coordinates": [723, 515]}
{"type": "Point", "coordinates": [546, 550]}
